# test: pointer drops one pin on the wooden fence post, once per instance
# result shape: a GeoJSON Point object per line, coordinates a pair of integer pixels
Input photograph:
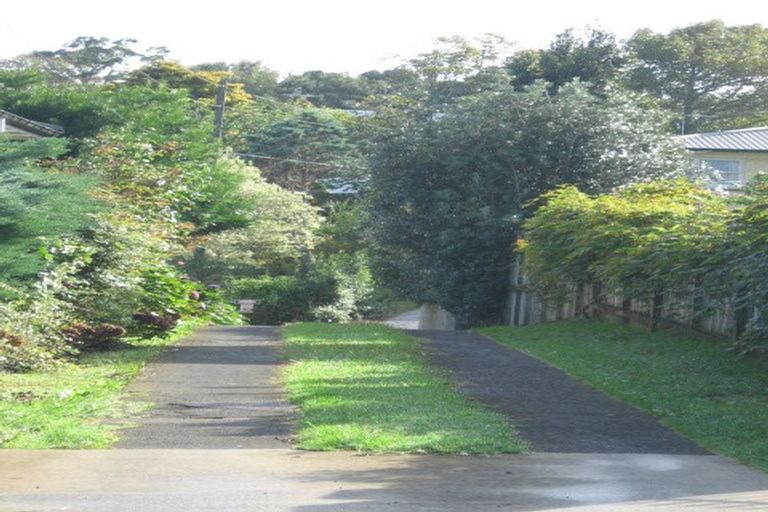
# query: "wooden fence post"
{"type": "Point", "coordinates": [657, 309]}
{"type": "Point", "coordinates": [578, 303]}
{"type": "Point", "coordinates": [514, 292]}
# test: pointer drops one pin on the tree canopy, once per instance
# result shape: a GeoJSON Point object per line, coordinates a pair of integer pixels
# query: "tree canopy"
{"type": "Point", "coordinates": [594, 57]}
{"type": "Point", "coordinates": [707, 74]}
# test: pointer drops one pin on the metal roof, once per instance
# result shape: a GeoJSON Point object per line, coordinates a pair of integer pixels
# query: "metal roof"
{"type": "Point", "coordinates": [44, 129]}
{"type": "Point", "coordinates": [749, 139]}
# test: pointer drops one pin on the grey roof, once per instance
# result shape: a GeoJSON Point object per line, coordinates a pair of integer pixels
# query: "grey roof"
{"type": "Point", "coordinates": [748, 139]}
{"type": "Point", "coordinates": [44, 129]}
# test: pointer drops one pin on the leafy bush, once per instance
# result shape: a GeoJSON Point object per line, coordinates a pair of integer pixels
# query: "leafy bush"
{"type": "Point", "coordinates": [30, 326]}
{"type": "Point", "coordinates": [89, 338]}
{"type": "Point", "coordinates": [641, 240]}
{"type": "Point", "coordinates": [37, 206]}
{"type": "Point", "coordinates": [283, 298]}
{"type": "Point", "coordinates": [746, 254]}
{"type": "Point", "coordinates": [279, 235]}
{"type": "Point", "coordinates": [354, 287]}
{"type": "Point", "coordinates": [669, 238]}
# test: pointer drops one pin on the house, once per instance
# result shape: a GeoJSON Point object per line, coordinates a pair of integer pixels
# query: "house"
{"type": "Point", "coordinates": [737, 155]}
{"type": "Point", "coordinates": [20, 128]}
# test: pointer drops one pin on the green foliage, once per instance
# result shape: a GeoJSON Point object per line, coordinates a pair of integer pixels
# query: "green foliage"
{"type": "Point", "coordinates": [14, 154]}
{"type": "Point", "coordinates": [710, 75]}
{"type": "Point", "coordinates": [37, 206]}
{"type": "Point", "coordinates": [84, 60]}
{"type": "Point", "coordinates": [746, 254]}
{"type": "Point", "coordinates": [165, 164]}
{"type": "Point", "coordinates": [321, 89]}
{"type": "Point", "coordinates": [353, 287]}
{"type": "Point", "coordinates": [337, 288]}
{"type": "Point", "coordinates": [31, 336]}
{"type": "Point", "coordinates": [308, 149]}
{"type": "Point", "coordinates": [663, 237]}
{"type": "Point", "coordinates": [278, 237]}
{"type": "Point", "coordinates": [257, 79]}
{"type": "Point", "coordinates": [458, 67]}
{"type": "Point", "coordinates": [642, 240]}
{"type": "Point", "coordinates": [283, 298]}
{"type": "Point", "coordinates": [448, 193]}
{"type": "Point", "coordinates": [594, 57]}
{"type": "Point", "coordinates": [198, 84]}
{"type": "Point", "coordinates": [80, 110]}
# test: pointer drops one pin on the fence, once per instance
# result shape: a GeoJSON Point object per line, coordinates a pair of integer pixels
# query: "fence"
{"type": "Point", "coordinates": [690, 310]}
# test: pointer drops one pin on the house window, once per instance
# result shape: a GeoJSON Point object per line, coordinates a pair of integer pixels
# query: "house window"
{"type": "Point", "coordinates": [728, 171]}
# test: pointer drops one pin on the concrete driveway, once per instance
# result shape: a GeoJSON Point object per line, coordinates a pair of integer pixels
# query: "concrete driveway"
{"type": "Point", "coordinates": [288, 480]}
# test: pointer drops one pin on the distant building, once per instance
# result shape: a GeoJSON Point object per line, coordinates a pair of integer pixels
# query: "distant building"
{"type": "Point", "coordinates": [20, 128]}
{"type": "Point", "coordinates": [737, 155]}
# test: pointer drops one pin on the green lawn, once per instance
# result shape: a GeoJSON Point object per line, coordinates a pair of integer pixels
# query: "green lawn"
{"type": "Point", "coordinates": [366, 387]}
{"type": "Point", "coordinates": [67, 408]}
{"type": "Point", "coordinates": [698, 388]}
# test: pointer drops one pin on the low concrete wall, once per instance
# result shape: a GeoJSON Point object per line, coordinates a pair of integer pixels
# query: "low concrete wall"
{"type": "Point", "coordinates": [432, 317]}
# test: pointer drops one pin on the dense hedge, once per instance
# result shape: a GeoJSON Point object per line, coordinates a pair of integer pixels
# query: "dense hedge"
{"type": "Point", "coordinates": [666, 237]}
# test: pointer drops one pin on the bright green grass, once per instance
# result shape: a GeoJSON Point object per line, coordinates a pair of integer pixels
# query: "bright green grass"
{"type": "Point", "coordinates": [366, 387]}
{"type": "Point", "coordinates": [74, 401]}
{"type": "Point", "coordinates": [698, 388]}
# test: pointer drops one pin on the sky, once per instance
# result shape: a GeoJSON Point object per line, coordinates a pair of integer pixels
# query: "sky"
{"type": "Point", "coordinates": [292, 36]}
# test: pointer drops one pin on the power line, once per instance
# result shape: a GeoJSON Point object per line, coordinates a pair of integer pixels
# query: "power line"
{"type": "Point", "coordinates": [292, 160]}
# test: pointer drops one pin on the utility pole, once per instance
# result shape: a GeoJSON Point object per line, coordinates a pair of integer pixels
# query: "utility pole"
{"type": "Point", "coordinates": [218, 116]}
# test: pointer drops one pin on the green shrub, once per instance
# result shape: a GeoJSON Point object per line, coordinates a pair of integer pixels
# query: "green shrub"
{"type": "Point", "coordinates": [37, 206]}
{"type": "Point", "coordinates": [642, 240]}
{"type": "Point", "coordinates": [354, 286]}
{"type": "Point", "coordinates": [31, 335]}
{"type": "Point", "coordinates": [666, 237]}
{"type": "Point", "coordinates": [90, 338]}
{"type": "Point", "coordinates": [283, 298]}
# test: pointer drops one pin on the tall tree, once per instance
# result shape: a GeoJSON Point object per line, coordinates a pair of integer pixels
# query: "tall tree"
{"type": "Point", "coordinates": [709, 74]}
{"type": "Point", "coordinates": [592, 56]}
{"type": "Point", "coordinates": [307, 148]}
{"type": "Point", "coordinates": [86, 59]}
{"type": "Point", "coordinates": [257, 79]}
{"type": "Point", "coordinates": [200, 84]}
{"type": "Point", "coordinates": [333, 90]}
{"type": "Point", "coordinates": [447, 194]}
{"type": "Point", "coordinates": [458, 67]}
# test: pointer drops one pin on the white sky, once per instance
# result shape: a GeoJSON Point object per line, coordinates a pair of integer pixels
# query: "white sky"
{"type": "Point", "coordinates": [292, 36]}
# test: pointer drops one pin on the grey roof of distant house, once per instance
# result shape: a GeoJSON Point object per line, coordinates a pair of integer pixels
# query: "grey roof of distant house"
{"type": "Point", "coordinates": [44, 129]}
{"type": "Point", "coordinates": [749, 139]}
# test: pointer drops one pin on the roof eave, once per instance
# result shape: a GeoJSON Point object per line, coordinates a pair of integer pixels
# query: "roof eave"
{"type": "Point", "coordinates": [729, 150]}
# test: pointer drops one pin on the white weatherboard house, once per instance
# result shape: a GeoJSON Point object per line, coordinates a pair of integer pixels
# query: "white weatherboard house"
{"type": "Point", "coordinates": [738, 155]}
{"type": "Point", "coordinates": [20, 128]}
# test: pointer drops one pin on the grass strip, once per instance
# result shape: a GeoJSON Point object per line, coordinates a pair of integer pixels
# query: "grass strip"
{"type": "Point", "coordinates": [700, 389]}
{"type": "Point", "coordinates": [68, 407]}
{"type": "Point", "coordinates": [367, 387]}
